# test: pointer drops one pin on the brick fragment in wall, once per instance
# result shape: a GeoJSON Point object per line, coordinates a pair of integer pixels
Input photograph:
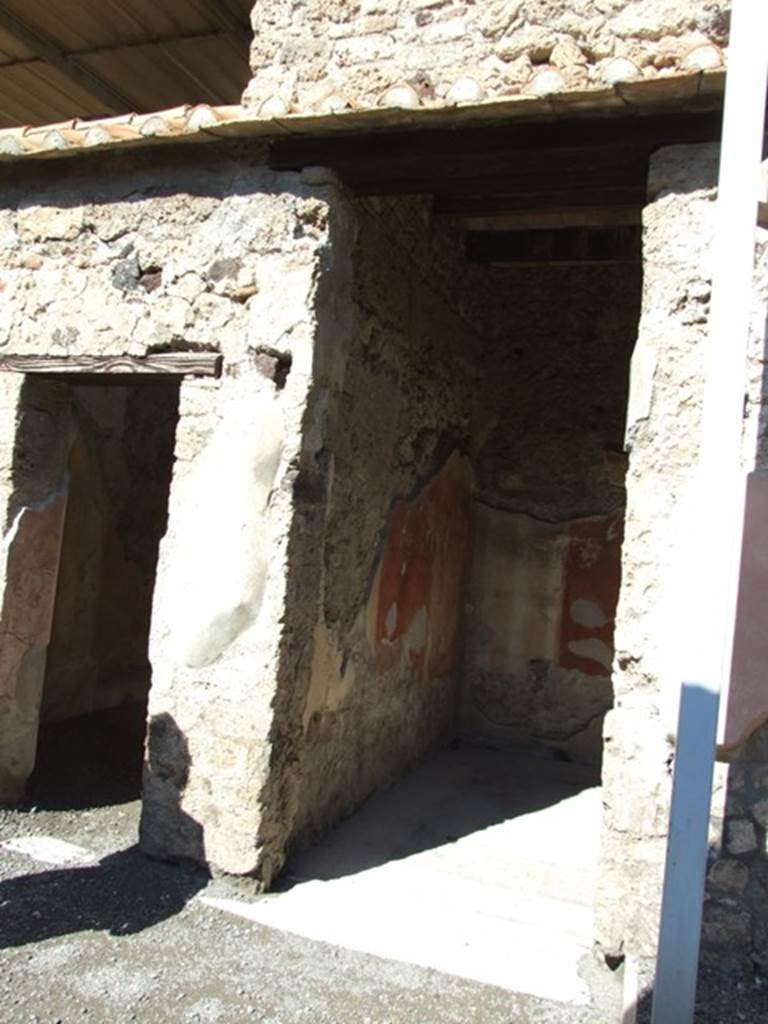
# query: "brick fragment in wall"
{"type": "Point", "coordinates": [361, 52]}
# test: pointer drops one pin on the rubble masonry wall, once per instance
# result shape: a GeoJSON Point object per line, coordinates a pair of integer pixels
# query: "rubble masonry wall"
{"type": "Point", "coordinates": [329, 54]}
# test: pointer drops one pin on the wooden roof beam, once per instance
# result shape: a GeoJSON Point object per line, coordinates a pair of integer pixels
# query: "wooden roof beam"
{"type": "Point", "coordinates": [567, 247]}
{"type": "Point", "coordinates": [448, 144]}
{"type": "Point", "coordinates": [556, 208]}
{"type": "Point", "coordinates": [568, 217]}
{"type": "Point", "coordinates": [480, 204]}
{"type": "Point", "coordinates": [113, 100]}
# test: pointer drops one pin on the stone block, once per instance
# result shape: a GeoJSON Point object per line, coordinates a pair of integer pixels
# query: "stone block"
{"type": "Point", "coordinates": [740, 836]}
{"type": "Point", "coordinates": [728, 876]}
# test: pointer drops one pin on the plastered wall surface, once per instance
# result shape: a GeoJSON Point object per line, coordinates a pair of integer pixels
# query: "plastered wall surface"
{"type": "Point", "coordinates": [662, 431]}
{"type": "Point", "coordinates": [330, 54]}
{"type": "Point", "coordinates": [309, 632]}
{"type": "Point", "coordinates": [307, 611]}
{"type": "Point", "coordinates": [33, 498]}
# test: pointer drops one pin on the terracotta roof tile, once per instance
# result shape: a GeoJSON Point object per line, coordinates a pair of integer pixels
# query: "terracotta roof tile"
{"type": "Point", "coordinates": [203, 122]}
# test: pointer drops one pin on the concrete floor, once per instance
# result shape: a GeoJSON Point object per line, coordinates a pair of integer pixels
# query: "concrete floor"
{"type": "Point", "coordinates": [480, 864]}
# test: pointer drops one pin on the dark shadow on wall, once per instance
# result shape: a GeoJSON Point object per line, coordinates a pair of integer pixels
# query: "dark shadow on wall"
{"type": "Point", "coordinates": [91, 761]}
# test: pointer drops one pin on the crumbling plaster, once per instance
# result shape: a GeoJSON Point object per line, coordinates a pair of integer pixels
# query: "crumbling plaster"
{"type": "Point", "coordinates": [33, 499]}
{"type": "Point", "coordinates": [330, 54]}
{"type": "Point", "coordinates": [345, 390]}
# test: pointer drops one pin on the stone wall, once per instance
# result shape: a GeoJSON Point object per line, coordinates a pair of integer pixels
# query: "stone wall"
{"type": "Point", "coordinates": [662, 432]}
{"type": "Point", "coordinates": [384, 513]}
{"type": "Point", "coordinates": [547, 449]}
{"type": "Point", "coordinates": [330, 54]}
{"type": "Point", "coordinates": [113, 259]}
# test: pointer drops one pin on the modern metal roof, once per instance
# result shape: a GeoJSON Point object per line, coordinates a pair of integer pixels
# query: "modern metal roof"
{"type": "Point", "coordinates": [66, 59]}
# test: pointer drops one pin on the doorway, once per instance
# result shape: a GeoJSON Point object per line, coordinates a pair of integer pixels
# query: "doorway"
{"type": "Point", "coordinates": [119, 462]}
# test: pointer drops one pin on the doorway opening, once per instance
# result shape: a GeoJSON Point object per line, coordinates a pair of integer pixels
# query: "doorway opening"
{"type": "Point", "coordinates": [496, 378]}
{"type": "Point", "coordinates": [121, 436]}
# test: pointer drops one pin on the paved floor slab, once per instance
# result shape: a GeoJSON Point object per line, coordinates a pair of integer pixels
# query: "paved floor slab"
{"type": "Point", "coordinates": [480, 864]}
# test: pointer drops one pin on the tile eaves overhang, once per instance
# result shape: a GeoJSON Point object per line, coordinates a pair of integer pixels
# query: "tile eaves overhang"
{"type": "Point", "coordinates": [681, 93]}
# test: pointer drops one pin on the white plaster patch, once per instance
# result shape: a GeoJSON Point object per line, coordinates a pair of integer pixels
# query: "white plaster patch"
{"type": "Point", "coordinates": [592, 649]}
{"type": "Point", "coordinates": [38, 506]}
{"type": "Point", "coordinates": [418, 631]}
{"type": "Point", "coordinates": [49, 850]}
{"type": "Point", "coordinates": [390, 623]}
{"type": "Point", "coordinates": [226, 495]}
{"type": "Point", "coordinates": [588, 613]}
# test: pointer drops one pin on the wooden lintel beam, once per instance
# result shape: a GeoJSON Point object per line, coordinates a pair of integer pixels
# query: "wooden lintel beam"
{"type": "Point", "coordinates": [495, 140]}
{"type": "Point", "coordinates": [569, 246]}
{"type": "Point", "coordinates": [113, 100]}
{"type": "Point", "coordinates": [175, 364]}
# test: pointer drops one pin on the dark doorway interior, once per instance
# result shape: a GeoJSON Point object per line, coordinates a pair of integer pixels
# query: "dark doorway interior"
{"type": "Point", "coordinates": [98, 673]}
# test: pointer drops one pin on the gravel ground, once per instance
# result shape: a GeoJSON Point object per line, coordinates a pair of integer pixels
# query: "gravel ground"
{"type": "Point", "coordinates": [124, 939]}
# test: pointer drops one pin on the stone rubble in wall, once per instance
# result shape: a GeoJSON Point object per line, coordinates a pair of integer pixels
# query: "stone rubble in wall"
{"type": "Point", "coordinates": [328, 55]}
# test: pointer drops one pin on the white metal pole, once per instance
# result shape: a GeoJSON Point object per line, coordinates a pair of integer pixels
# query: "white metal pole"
{"type": "Point", "coordinates": [709, 613]}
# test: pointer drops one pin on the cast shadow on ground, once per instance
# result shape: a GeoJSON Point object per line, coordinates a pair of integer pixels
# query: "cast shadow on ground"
{"type": "Point", "coordinates": [123, 894]}
{"type": "Point", "coordinates": [724, 994]}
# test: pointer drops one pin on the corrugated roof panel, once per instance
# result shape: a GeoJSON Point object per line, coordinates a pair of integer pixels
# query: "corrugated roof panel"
{"type": "Point", "coordinates": [35, 93]}
{"type": "Point", "coordinates": [152, 53]}
{"type": "Point", "coordinates": [206, 70]}
{"type": "Point", "coordinates": [79, 24]}
{"type": "Point", "coordinates": [12, 49]}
